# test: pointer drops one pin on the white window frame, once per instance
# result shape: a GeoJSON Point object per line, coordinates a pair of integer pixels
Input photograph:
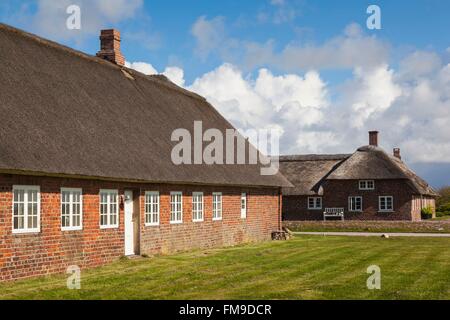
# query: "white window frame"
{"type": "Point", "coordinates": [109, 225]}
{"type": "Point", "coordinates": [25, 228]}
{"type": "Point", "coordinates": [154, 216]}
{"type": "Point", "coordinates": [177, 221]}
{"type": "Point", "coordinates": [198, 207]}
{"type": "Point", "coordinates": [315, 206]}
{"type": "Point", "coordinates": [364, 184]}
{"type": "Point", "coordinates": [217, 206]}
{"type": "Point", "coordinates": [243, 205]}
{"type": "Point", "coordinates": [350, 204]}
{"type": "Point", "coordinates": [71, 203]}
{"type": "Point", "coordinates": [379, 204]}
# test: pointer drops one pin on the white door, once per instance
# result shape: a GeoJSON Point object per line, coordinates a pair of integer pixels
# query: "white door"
{"type": "Point", "coordinates": [129, 225]}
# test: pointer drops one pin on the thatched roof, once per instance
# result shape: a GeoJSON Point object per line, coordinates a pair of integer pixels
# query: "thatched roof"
{"type": "Point", "coordinates": [368, 162]}
{"type": "Point", "coordinates": [67, 113]}
{"type": "Point", "coordinates": [306, 172]}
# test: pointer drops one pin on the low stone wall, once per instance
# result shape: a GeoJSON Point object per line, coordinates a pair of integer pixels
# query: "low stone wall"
{"type": "Point", "coordinates": [369, 226]}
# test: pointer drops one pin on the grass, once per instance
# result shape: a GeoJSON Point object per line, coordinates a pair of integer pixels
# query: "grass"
{"type": "Point", "coordinates": [306, 267]}
{"type": "Point", "coordinates": [447, 217]}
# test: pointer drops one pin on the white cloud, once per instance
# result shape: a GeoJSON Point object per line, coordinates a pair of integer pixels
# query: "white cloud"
{"type": "Point", "coordinates": [290, 102]}
{"type": "Point", "coordinates": [409, 105]}
{"type": "Point", "coordinates": [351, 49]}
{"type": "Point", "coordinates": [175, 74]}
{"type": "Point", "coordinates": [49, 19]}
{"type": "Point", "coordinates": [209, 34]}
{"type": "Point", "coordinates": [370, 93]}
{"type": "Point", "coordinates": [411, 114]}
{"type": "Point", "coordinates": [143, 67]}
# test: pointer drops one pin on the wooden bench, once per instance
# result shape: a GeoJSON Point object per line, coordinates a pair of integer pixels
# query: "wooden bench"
{"type": "Point", "coordinates": [333, 213]}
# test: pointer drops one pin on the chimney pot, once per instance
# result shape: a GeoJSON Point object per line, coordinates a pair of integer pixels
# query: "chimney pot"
{"type": "Point", "coordinates": [110, 47]}
{"type": "Point", "coordinates": [397, 153]}
{"type": "Point", "coordinates": [373, 138]}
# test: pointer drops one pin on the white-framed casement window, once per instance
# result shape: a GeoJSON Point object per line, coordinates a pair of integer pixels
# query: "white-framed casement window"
{"type": "Point", "coordinates": [386, 203]}
{"type": "Point", "coordinates": [151, 208]}
{"type": "Point", "coordinates": [217, 205]}
{"type": "Point", "coordinates": [243, 205]}
{"type": "Point", "coordinates": [355, 204]}
{"type": "Point", "coordinates": [109, 209]}
{"type": "Point", "coordinates": [366, 185]}
{"type": "Point", "coordinates": [197, 206]}
{"type": "Point", "coordinates": [71, 209]}
{"type": "Point", "coordinates": [26, 209]}
{"type": "Point", "coordinates": [176, 207]}
{"type": "Point", "coordinates": [314, 203]}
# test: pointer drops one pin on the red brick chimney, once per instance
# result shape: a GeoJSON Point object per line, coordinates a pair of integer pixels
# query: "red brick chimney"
{"type": "Point", "coordinates": [373, 138]}
{"type": "Point", "coordinates": [110, 47]}
{"type": "Point", "coordinates": [397, 153]}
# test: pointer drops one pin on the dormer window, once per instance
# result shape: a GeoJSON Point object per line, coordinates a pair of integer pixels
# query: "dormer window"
{"type": "Point", "coordinates": [366, 185]}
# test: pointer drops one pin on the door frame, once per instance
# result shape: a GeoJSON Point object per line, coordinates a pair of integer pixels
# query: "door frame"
{"type": "Point", "coordinates": [131, 202]}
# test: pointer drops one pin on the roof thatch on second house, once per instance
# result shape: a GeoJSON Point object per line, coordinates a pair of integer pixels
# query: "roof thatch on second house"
{"type": "Point", "coordinates": [306, 172]}
{"type": "Point", "coordinates": [68, 113]}
{"type": "Point", "coordinates": [369, 162]}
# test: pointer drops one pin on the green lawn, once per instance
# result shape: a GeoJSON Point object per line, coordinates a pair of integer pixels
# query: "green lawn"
{"type": "Point", "coordinates": [306, 267]}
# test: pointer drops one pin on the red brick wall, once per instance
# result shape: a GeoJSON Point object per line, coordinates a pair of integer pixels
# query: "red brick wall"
{"type": "Point", "coordinates": [52, 250]}
{"type": "Point", "coordinates": [261, 220]}
{"type": "Point", "coordinates": [337, 192]}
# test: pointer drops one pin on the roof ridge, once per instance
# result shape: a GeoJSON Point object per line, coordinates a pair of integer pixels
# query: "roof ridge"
{"type": "Point", "coordinates": [313, 157]}
{"type": "Point", "coordinates": [83, 55]}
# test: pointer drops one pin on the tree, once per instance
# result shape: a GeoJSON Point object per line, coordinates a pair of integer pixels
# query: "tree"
{"type": "Point", "coordinates": [444, 196]}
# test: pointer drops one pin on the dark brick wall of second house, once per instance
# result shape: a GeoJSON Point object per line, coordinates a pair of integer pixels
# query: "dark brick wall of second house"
{"type": "Point", "coordinates": [337, 193]}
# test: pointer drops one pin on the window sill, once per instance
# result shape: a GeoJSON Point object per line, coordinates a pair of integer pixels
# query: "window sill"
{"type": "Point", "coordinates": [198, 220]}
{"type": "Point", "coordinates": [26, 232]}
{"type": "Point", "coordinates": [386, 211]}
{"type": "Point", "coordinates": [217, 219]}
{"type": "Point", "coordinates": [152, 224]}
{"type": "Point", "coordinates": [109, 227]}
{"type": "Point", "coordinates": [315, 209]}
{"type": "Point", "coordinates": [71, 229]}
{"type": "Point", "coordinates": [176, 222]}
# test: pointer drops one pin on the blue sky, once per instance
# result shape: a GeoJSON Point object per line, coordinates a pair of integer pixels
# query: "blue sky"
{"type": "Point", "coordinates": [311, 68]}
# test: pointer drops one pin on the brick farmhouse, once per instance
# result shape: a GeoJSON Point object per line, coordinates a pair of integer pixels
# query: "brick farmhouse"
{"type": "Point", "coordinates": [366, 185]}
{"type": "Point", "coordinates": [86, 174]}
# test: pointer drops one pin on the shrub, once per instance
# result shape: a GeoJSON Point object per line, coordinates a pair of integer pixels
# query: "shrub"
{"type": "Point", "coordinates": [427, 213]}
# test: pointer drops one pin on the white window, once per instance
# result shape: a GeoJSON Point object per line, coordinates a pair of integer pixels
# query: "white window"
{"type": "Point", "coordinates": [243, 205]}
{"type": "Point", "coordinates": [176, 207]}
{"type": "Point", "coordinates": [386, 204]}
{"type": "Point", "coordinates": [151, 208]}
{"type": "Point", "coordinates": [26, 209]}
{"type": "Point", "coordinates": [314, 203]}
{"type": "Point", "coordinates": [71, 209]}
{"type": "Point", "coordinates": [355, 204]}
{"type": "Point", "coordinates": [366, 185]}
{"type": "Point", "coordinates": [109, 209]}
{"type": "Point", "coordinates": [217, 205]}
{"type": "Point", "coordinates": [197, 206]}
